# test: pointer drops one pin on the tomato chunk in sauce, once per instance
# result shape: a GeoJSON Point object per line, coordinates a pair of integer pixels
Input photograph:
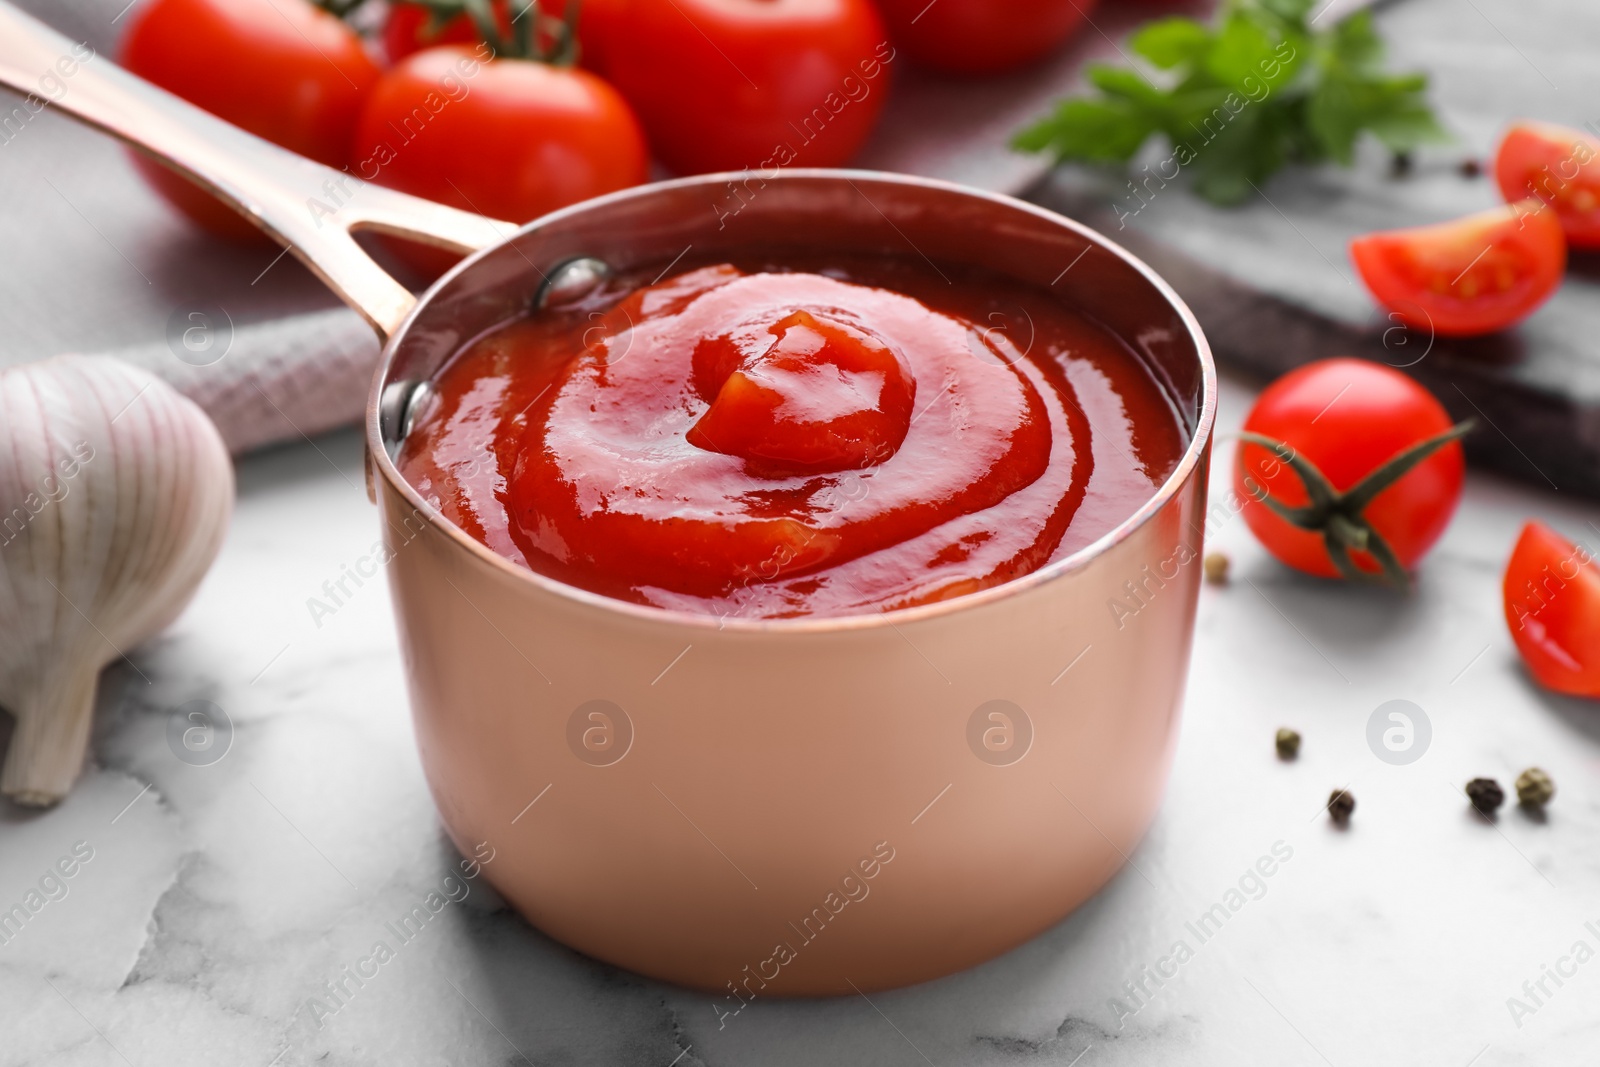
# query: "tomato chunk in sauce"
{"type": "Point", "coordinates": [769, 441]}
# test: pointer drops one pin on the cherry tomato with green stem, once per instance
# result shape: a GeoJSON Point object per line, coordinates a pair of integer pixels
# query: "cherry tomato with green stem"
{"type": "Point", "coordinates": [285, 70]}
{"type": "Point", "coordinates": [1349, 469]}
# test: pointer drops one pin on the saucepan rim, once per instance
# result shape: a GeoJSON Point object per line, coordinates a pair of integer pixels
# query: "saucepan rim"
{"type": "Point", "coordinates": [382, 465]}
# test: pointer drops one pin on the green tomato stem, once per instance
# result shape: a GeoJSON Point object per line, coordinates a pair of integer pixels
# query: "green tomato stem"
{"type": "Point", "coordinates": [1340, 518]}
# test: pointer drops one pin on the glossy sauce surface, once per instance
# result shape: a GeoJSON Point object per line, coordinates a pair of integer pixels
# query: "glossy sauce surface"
{"type": "Point", "coordinates": [811, 439]}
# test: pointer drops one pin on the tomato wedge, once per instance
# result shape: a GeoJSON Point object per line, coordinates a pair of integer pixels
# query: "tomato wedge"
{"type": "Point", "coordinates": [1560, 166]}
{"type": "Point", "coordinates": [1472, 276]}
{"type": "Point", "coordinates": [1552, 602]}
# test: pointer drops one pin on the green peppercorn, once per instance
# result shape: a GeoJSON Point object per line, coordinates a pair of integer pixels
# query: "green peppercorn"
{"type": "Point", "coordinates": [1340, 804]}
{"type": "Point", "coordinates": [1288, 744]}
{"type": "Point", "coordinates": [1485, 794]}
{"type": "Point", "coordinates": [1534, 788]}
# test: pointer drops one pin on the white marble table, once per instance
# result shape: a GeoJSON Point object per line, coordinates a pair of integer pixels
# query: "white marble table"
{"type": "Point", "coordinates": [220, 899]}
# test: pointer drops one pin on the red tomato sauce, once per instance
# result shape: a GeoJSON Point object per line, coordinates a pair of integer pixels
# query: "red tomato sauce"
{"type": "Point", "coordinates": [769, 441]}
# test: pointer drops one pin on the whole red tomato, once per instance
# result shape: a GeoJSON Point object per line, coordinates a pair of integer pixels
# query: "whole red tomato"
{"type": "Point", "coordinates": [508, 138]}
{"type": "Point", "coordinates": [411, 27]}
{"type": "Point", "coordinates": [758, 84]}
{"type": "Point", "coordinates": [1552, 602]}
{"type": "Point", "coordinates": [1379, 506]}
{"type": "Point", "coordinates": [981, 36]}
{"type": "Point", "coordinates": [282, 69]}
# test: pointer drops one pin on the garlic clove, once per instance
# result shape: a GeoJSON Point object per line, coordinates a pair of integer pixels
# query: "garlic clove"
{"type": "Point", "coordinates": [115, 493]}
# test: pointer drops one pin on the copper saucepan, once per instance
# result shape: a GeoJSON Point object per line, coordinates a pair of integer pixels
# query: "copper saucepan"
{"type": "Point", "coordinates": [751, 807]}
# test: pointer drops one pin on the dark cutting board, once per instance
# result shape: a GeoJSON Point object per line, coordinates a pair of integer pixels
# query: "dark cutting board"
{"type": "Point", "coordinates": [1272, 282]}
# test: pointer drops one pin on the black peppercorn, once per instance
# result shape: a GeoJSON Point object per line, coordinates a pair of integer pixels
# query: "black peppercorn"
{"type": "Point", "coordinates": [1400, 165]}
{"type": "Point", "coordinates": [1485, 794]}
{"type": "Point", "coordinates": [1340, 804]}
{"type": "Point", "coordinates": [1471, 168]}
{"type": "Point", "coordinates": [1288, 743]}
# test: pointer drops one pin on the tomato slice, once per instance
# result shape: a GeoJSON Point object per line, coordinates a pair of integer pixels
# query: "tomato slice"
{"type": "Point", "coordinates": [1560, 166]}
{"type": "Point", "coordinates": [1472, 276]}
{"type": "Point", "coordinates": [1552, 602]}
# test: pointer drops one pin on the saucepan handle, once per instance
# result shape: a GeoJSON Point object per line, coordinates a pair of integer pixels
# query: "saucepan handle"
{"type": "Point", "coordinates": [285, 194]}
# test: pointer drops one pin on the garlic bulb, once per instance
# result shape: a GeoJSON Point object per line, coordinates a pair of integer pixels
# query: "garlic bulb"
{"type": "Point", "coordinates": [115, 493]}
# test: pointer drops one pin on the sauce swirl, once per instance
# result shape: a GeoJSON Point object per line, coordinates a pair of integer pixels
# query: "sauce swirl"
{"type": "Point", "coordinates": [778, 442]}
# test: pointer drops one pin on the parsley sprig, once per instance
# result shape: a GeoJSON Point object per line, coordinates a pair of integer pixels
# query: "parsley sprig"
{"type": "Point", "coordinates": [1242, 98]}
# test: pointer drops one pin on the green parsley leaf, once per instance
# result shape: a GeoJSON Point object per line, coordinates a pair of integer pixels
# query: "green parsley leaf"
{"type": "Point", "coordinates": [1294, 11]}
{"type": "Point", "coordinates": [1168, 42]}
{"type": "Point", "coordinates": [1355, 43]}
{"type": "Point", "coordinates": [1098, 131]}
{"type": "Point", "coordinates": [1236, 47]}
{"type": "Point", "coordinates": [1239, 100]}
